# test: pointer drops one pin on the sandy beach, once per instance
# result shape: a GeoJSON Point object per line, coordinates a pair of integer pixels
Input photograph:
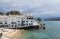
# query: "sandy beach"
{"type": "Point", "coordinates": [12, 33]}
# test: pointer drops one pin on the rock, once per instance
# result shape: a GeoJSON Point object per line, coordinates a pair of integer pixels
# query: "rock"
{"type": "Point", "coordinates": [44, 28]}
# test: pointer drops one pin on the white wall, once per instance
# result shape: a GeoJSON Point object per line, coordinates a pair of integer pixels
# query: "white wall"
{"type": "Point", "coordinates": [16, 18]}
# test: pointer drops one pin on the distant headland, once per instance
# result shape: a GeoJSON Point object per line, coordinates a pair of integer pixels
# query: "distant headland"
{"type": "Point", "coordinates": [52, 19]}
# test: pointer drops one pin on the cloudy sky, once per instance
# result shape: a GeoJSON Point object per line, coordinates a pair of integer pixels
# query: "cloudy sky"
{"type": "Point", "coordinates": [43, 8]}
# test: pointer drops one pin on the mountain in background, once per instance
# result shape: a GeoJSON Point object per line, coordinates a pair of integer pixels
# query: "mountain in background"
{"type": "Point", "coordinates": [52, 19]}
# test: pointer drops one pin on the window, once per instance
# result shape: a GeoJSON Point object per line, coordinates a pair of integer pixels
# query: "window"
{"type": "Point", "coordinates": [30, 24]}
{"type": "Point", "coordinates": [12, 25]}
{"type": "Point", "coordinates": [23, 24]}
{"type": "Point", "coordinates": [30, 18]}
{"type": "Point", "coordinates": [1, 23]}
{"type": "Point", "coordinates": [15, 25]}
{"type": "Point", "coordinates": [22, 18]}
{"type": "Point", "coordinates": [6, 25]}
{"type": "Point", "coordinates": [31, 21]}
{"type": "Point", "coordinates": [26, 24]}
{"type": "Point", "coordinates": [9, 24]}
{"type": "Point", "coordinates": [19, 24]}
{"type": "Point", "coordinates": [26, 21]}
{"type": "Point", "coordinates": [27, 18]}
{"type": "Point", "coordinates": [23, 21]}
{"type": "Point", "coordinates": [18, 21]}
{"type": "Point", "coordinates": [13, 22]}
{"type": "Point", "coordinates": [5, 22]}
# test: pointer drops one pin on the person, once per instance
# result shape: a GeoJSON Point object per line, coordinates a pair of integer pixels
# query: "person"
{"type": "Point", "coordinates": [0, 35]}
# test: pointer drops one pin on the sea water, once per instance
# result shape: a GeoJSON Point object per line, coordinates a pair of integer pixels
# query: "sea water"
{"type": "Point", "coordinates": [52, 31]}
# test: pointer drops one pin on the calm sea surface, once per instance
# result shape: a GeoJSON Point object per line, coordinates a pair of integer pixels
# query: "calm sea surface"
{"type": "Point", "coordinates": [52, 31]}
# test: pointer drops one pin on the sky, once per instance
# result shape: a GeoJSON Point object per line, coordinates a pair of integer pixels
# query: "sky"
{"type": "Point", "coordinates": [43, 8]}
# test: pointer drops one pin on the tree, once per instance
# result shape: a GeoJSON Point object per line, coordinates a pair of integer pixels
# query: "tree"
{"type": "Point", "coordinates": [7, 13]}
{"type": "Point", "coordinates": [38, 20]}
{"type": "Point", "coordinates": [13, 13]}
{"type": "Point", "coordinates": [1, 13]}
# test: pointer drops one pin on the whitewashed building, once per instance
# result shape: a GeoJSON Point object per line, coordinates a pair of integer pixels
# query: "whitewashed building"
{"type": "Point", "coordinates": [13, 21]}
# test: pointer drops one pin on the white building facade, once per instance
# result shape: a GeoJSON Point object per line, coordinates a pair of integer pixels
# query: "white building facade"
{"type": "Point", "coordinates": [13, 21]}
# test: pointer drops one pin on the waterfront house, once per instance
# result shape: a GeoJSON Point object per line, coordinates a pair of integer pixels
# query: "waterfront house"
{"type": "Point", "coordinates": [16, 21]}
